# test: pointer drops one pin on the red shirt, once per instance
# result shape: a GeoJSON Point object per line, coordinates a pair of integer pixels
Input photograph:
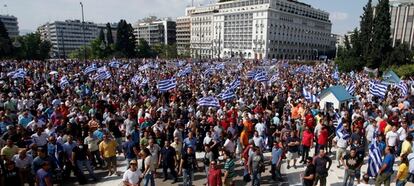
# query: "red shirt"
{"type": "Point", "coordinates": [225, 124]}
{"type": "Point", "coordinates": [323, 137]}
{"type": "Point", "coordinates": [214, 177]}
{"type": "Point", "coordinates": [382, 126]}
{"type": "Point", "coordinates": [307, 138]}
{"type": "Point", "coordinates": [309, 120]}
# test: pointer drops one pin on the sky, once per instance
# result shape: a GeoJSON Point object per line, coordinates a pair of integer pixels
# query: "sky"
{"type": "Point", "coordinates": [344, 14]}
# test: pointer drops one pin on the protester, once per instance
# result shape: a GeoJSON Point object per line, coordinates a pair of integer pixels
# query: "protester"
{"type": "Point", "coordinates": [132, 174]}
{"type": "Point", "coordinates": [214, 175]}
{"type": "Point", "coordinates": [385, 172]}
{"type": "Point", "coordinates": [188, 165]}
{"type": "Point", "coordinates": [322, 165]}
{"type": "Point", "coordinates": [309, 175]}
{"type": "Point", "coordinates": [352, 163]}
{"type": "Point", "coordinates": [402, 175]}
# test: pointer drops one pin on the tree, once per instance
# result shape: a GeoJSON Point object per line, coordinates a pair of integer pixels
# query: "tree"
{"type": "Point", "coordinates": [32, 47]}
{"type": "Point", "coordinates": [381, 38]}
{"type": "Point", "coordinates": [125, 43]}
{"type": "Point", "coordinates": [365, 35]}
{"type": "Point", "coordinates": [144, 50]}
{"type": "Point", "coordinates": [78, 53]}
{"type": "Point", "coordinates": [400, 55]}
{"type": "Point", "coordinates": [6, 47]}
{"type": "Point", "coordinates": [109, 37]}
{"type": "Point", "coordinates": [44, 49]}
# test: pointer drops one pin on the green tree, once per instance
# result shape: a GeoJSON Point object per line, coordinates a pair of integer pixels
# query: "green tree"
{"type": "Point", "coordinates": [32, 47]}
{"type": "Point", "coordinates": [365, 35]}
{"type": "Point", "coordinates": [125, 43]}
{"type": "Point", "coordinates": [78, 53]}
{"type": "Point", "coordinates": [44, 49]}
{"type": "Point", "coordinates": [144, 50]}
{"type": "Point", "coordinates": [381, 38]}
{"type": "Point", "coordinates": [400, 55]}
{"type": "Point", "coordinates": [6, 47]}
{"type": "Point", "coordinates": [109, 37]}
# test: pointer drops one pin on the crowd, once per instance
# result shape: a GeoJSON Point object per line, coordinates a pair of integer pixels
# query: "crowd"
{"type": "Point", "coordinates": [64, 117]}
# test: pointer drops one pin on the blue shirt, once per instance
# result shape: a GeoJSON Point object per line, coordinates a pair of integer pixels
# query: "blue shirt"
{"type": "Point", "coordinates": [276, 154]}
{"type": "Point", "coordinates": [135, 136]}
{"type": "Point", "coordinates": [41, 175]}
{"type": "Point", "coordinates": [129, 149]}
{"type": "Point", "coordinates": [389, 161]}
{"type": "Point", "coordinates": [190, 143]}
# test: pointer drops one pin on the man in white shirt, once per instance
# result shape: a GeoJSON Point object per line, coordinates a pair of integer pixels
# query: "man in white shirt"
{"type": "Point", "coordinates": [131, 176]}
{"type": "Point", "coordinates": [260, 128]}
{"type": "Point", "coordinates": [229, 145]}
{"type": "Point", "coordinates": [35, 123]}
{"type": "Point", "coordinates": [258, 141]}
{"type": "Point", "coordinates": [370, 129]}
{"type": "Point", "coordinates": [207, 140]}
{"type": "Point", "coordinates": [40, 138]}
{"type": "Point", "coordinates": [392, 137]}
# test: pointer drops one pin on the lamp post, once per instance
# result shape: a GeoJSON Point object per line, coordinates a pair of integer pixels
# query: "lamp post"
{"type": "Point", "coordinates": [83, 33]}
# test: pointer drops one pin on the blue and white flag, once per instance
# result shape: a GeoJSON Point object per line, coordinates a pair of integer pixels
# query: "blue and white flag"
{"type": "Point", "coordinates": [340, 131]}
{"type": "Point", "coordinates": [103, 75]}
{"type": "Point", "coordinates": [251, 74]}
{"type": "Point", "coordinates": [144, 81]}
{"type": "Point", "coordinates": [274, 78]}
{"type": "Point", "coordinates": [143, 67]}
{"type": "Point", "coordinates": [136, 79]}
{"type": "Point", "coordinates": [19, 73]}
{"type": "Point", "coordinates": [184, 72]}
{"type": "Point", "coordinates": [403, 88]}
{"type": "Point", "coordinates": [351, 88]}
{"type": "Point", "coordinates": [335, 74]}
{"type": "Point", "coordinates": [63, 82]}
{"type": "Point", "coordinates": [115, 64]}
{"type": "Point", "coordinates": [101, 69]}
{"type": "Point", "coordinates": [240, 66]}
{"type": "Point", "coordinates": [378, 89]}
{"type": "Point", "coordinates": [208, 72]}
{"type": "Point", "coordinates": [208, 102]}
{"type": "Point", "coordinates": [125, 66]}
{"type": "Point", "coordinates": [167, 84]}
{"type": "Point", "coordinates": [261, 77]}
{"type": "Point", "coordinates": [227, 95]}
{"type": "Point", "coordinates": [220, 66]}
{"type": "Point", "coordinates": [309, 96]}
{"type": "Point", "coordinates": [90, 69]}
{"type": "Point", "coordinates": [233, 85]}
{"type": "Point", "coordinates": [374, 159]}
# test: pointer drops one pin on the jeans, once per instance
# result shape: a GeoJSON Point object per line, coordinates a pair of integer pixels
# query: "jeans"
{"type": "Point", "coordinates": [188, 175]}
{"type": "Point", "coordinates": [383, 178]}
{"type": "Point", "coordinates": [321, 179]}
{"type": "Point", "coordinates": [256, 175]}
{"type": "Point", "coordinates": [276, 175]}
{"type": "Point", "coordinates": [400, 183]}
{"type": "Point", "coordinates": [149, 179]}
{"type": "Point", "coordinates": [349, 177]}
{"type": "Point", "coordinates": [305, 152]}
{"type": "Point", "coordinates": [81, 163]}
{"type": "Point", "coordinates": [96, 158]}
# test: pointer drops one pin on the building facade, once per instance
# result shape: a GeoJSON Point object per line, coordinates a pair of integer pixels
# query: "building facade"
{"type": "Point", "coordinates": [257, 29]}
{"type": "Point", "coordinates": [11, 24]}
{"type": "Point", "coordinates": [183, 35]}
{"type": "Point", "coordinates": [402, 22]}
{"type": "Point", "coordinates": [156, 32]}
{"type": "Point", "coordinates": [67, 36]}
{"type": "Point", "coordinates": [114, 28]}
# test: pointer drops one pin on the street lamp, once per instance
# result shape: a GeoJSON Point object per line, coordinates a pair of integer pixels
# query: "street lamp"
{"type": "Point", "coordinates": [83, 32]}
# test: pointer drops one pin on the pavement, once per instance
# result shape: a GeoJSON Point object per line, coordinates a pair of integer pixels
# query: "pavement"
{"type": "Point", "coordinates": [292, 176]}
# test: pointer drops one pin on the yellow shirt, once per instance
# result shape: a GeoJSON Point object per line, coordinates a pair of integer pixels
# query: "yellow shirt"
{"type": "Point", "coordinates": [108, 149]}
{"type": "Point", "coordinates": [405, 148]}
{"type": "Point", "coordinates": [9, 152]}
{"type": "Point", "coordinates": [387, 128]}
{"type": "Point", "coordinates": [403, 171]}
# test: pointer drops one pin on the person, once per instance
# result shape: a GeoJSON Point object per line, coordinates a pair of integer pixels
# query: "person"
{"type": "Point", "coordinates": [410, 159]}
{"type": "Point", "coordinates": [341, 144]}
{"type": "Point", "coordinates": [8, 151]}
{"type": "Point", "coordinates": [187, 165]}
{"type": "Point", "coordinates": [322, 165]}
{"type": "Point", "coordinates": [402, 174]}
{"type": "Point", "coordinates": [256, 166]}
{"type": "Point", "coordinates": [43, 175]}
{"type": "Point", "coordinates": [277, 153]}
{"type": "Point", "coordinates": [307, 143]}
{"type": "Point", "coordinates": [154, 149]}
{"type": "Point", "coordinates": [92, 142]}
{"type": "Point", "coordinates": [42, 157]}
{"type": "Point", "coordinates": [406, 147]}
{"type": "Point", "coordinates": [147, 171]}
{"type": "Point", "coordinates": [129, 150]}
{"type": "Point", "coordinates": [309, 175]}
{"type": "Point", "coordinates": [352, 164]}
{"type": "Point", "coordinates": [23, 162]}
{"type": "Point", "coordinates": [107, 148]}
{"type": "Point", "coordinates": [178, 146]}
{"type": "Point", "coordinates": [132, 174]}
{"type": "Point", "coordinates": [208, 158]}
{"type": "Point", "coordinates": [11, 175]}
{"type": "Point", "coordinates": [229, 167]}
{"type": "Point", "coordinates": [293, 149]}
{"type": "Point", "coordinates": [214, 175]}
{"type": "Point", "coordinates": [80, 159]}
{"type": "Point", "coordinates": [167, 157]}
{"type": "Point", "coordinates": [385, 172]}
{"type": "Point", "coordinates": [365, 180]}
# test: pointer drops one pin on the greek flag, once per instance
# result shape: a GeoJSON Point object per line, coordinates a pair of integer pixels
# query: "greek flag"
{"type": "Point", "coordinates": [19, 73]}
{"type": "Point", "coordinates": [251, 74]}
{"type": "Point", "coordinates": [208, 72]}
{"type": "Point", "coordinates": [103, 75]}
{"type": "Point", "coordinates": [378, 89]}
{"type": "Point", "coordinates": [261, 77]}
{"type": "Point", "coordinates": [90, 69]}
{"type": "Point", "coordinates": [136, 79]}
{"type": "Point", "coordinates": [273, 78]}
{"type": "Point", "coordinates": [143, 67]}
{"type": "Point", "coordinates": [101, 69]}
{"type": "Point", "coordinates": [240, 66]}
{"type": "Point", "coordinates": [181, 63]}
{"type": "Point", "coordinates": [233, 85]}
{"type": "Point", "coordinates": [208, 102]}
{"type": "Point", "coordinates": [220, 66]}
{"type": "Point", "coordinates": [351, 88]}
{"type": "Point", "coordinates": [227, 95]}
{"type": "Point", "coordinates": [144, 81]}
{"type": "Point", "coordinates": [403, 88]}
{"type": "Point", "coordinates": [125, 66]}
{"type": "Point", "coordinates": [114, 64]}
{"type": "Point", "coordinates": [63, 82]}
{"type": "Point", "coordinates": [335, 75]}
{"type": "Point", "coordinates": [374, 159]}
{"type": "Point", "coordinates": [340, 132]}
{"type": "Point", "coordinates": [184, 72]}
{"type": "Point", "coordinates": [167, 84]}
{"type": "Point", "coordinates": [310, 96]}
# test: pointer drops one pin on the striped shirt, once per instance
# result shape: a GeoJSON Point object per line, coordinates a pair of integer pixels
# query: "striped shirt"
{"type": "Point", "coordinates": [229, 167]}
